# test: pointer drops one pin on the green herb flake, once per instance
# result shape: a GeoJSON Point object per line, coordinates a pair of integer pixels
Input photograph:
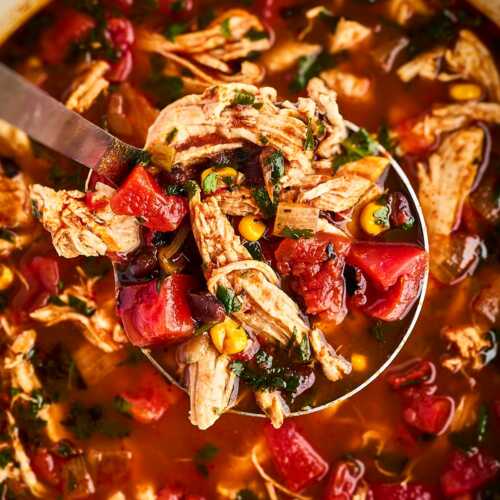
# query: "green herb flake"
{"type": "Point", "coordinates": [310, 66]}
{"type": "Point", "coordinates": [225, 28]}
{"type": "Point", "coordinates": [175, 29]}
{"type": "Point", "coordinates": [386, 140]}
{"type": "Point", "coordinates": [482, 423]}
{"type": "Point", "coordinates": [204, 456]}
{"type": "Point", "coordinates": [171, 135]}
{"type": "Point", "coordinates": [65, 449]}
{"type": "Point", "coordinates": [6, 457]}
{"type": "Point", "coordinates": [309, 140]}
{"type": "Point", "coordinates": [175, 189]}
{"type": "Point", "coordinates": [263, 139]}
{"type": "Point", "coordinates": [381, 216]}
{"type": "Point", "coordinates": [289, 232]}
{"type": "Point", "coordinates": [35, 211]}
{"type": "Point", "coordinates": [209, 183]}
{"type": "Point", "coordinates": [56, 301]}
{"type": "Point", "coordinates": [243, 98]}
{"type": "Point", "coordinates": [80, 306]}
{"type": "Point", "coordinates": [7, 235]}
{"type": "Point", "coordinates": [378, 332]}
{"type": "Point", "coordinates": [276, 161]}
{"type": "Point", "coordinates": [246, 494]}
{"type": "Point", "coordinates": [254, 35]}
{"type": "Point", "coordinates": [121, 405]}
{"type": "Point", "coordinates": [229, 299]}
{"type": "Point", "coordinates": [192, 188]}
{"type": "Point", "coordinates": [254, 249]}
{"type": "Point", "coordinates": [304, 347]}
{"type": "Point", "coordinates": [267, 207]}
{"type": "Point", "coordinates": [357, 146]}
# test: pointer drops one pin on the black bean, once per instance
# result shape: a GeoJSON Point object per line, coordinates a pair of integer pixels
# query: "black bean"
{"type": "Point", "coordinates": [205, 307]}
{"type": "Point", "coordinates": [9, 167]}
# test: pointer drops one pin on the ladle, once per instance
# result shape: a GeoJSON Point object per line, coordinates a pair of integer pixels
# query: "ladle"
{"type": "Point", "coordinates": [48, 122]}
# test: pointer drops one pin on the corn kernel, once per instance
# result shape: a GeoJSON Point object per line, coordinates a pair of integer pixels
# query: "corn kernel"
{"type": "Point", "coordinates": [465, 91]}
{"type": "Point", "coordinates": [359, 362]}
{"type": "Point", "coordinates": [374, 218]}
{"type": "Point", "coordinates": [228, 337]}
{"type": "Point", "coordinates": [251, 228]}
{"type": "Point", "coordinates": [221, 172]}
{"type": "Point", "coordinates": [6, 277]}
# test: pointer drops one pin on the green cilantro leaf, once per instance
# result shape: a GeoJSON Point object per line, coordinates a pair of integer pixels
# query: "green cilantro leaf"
{"type": "Point", "coordinates": [209, 183]}
{"type": "Point", "coordinates": [289, 232]}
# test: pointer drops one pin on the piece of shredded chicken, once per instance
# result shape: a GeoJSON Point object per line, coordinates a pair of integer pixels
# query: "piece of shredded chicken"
{"type": "Point", "coordinates": [404, 11]}
{"type": "Point", "coordinates": [348, 84]}
{"type": "Point", "coordinates": [208, 54]}
{"type": "Point", "coordinates": [211, 384]}
{"type": "Point", "coordinates": [87, 86]}
{"type": "Point", "coordinates": [285, 54]}
{"type": "Point", "coordinates": [77, 304]}
{"type": "Point", "coordinates": [334, 366]}
{"type": "Point", "coordinates": [468, 343]}
{"type": "Point", "coordinates": [78, 230]}
{"type": "Point", "coordinates": [348, 35]}
{"type": "Point", "coordinates": [426, 65]}
{"type": "Point", "coordinates": [273, 405]}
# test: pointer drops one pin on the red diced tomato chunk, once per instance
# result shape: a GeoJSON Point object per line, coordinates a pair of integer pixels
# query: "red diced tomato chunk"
{"type": "Point", "coordinates": [157, 312]}
{"type": "Point", "coordinates": [296, 460]}
{"type": "Point", "coordinates": [151, 398]}
{"type": "Point", "coordinates": [404, 491]}
{"type": "Point", "coordinates": [141, 196]}
{"type": "Point", "coordinates": [71, 26]}
{"type": "Point", "coordinates": [428, 413]}
{"type": "Point", "coordinates": [414, 372]}
{"type": "Point", "coordinates": [121, 69]}
{"type": "Point", "coordinates": [466, 472]}
{"type": "Point", "coordinates": [47, 467]}
{"type": "Point", "coordinates": [410, 141]}
{"type": "Point", "coordinates": [385, 263]}
{"type": "Point", "coordinates": [344, 480]}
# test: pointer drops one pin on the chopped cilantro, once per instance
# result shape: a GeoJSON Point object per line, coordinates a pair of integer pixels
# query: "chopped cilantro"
{"type": "Point", "coordinates": [381, 216]}
{"type": "Point", "coordinates": [65, 449]}
{"type": "Point", "coordinates": [254, 249]}
{"type": "Point", "coordinates": [209, 183]}
{"type": "Point", "coordinates": [309, 67]}
{"type": "Point", "coordinates": [267, 207]}
{"type": "Point", "coordinates": [309, 140]}
{"type": "Point", "coordinates": [289, 232]}
{"type": "Point", "coordinates": [482, 423]}
{"type": "Point", "coordinates": [246, 494]}
{"type": "Point", "coordinates": [243, 98]}
{"type": "Point", "coordinates": [175, 189]}
{"type": "Point", "coordinates": [276, 161]}
{"type": "Point", "coordinates": [358, 145]}
{"type": "Point", "coordinates": [56, 301]}
{"type": "Point", "coordinates": [121, 405]}
{"type": "Point", "coordinates": [6, 457]}
{"type": "Point", "coordinates": [225, 28]}
{"type": "Point", "coordinates": [175, 29]}
{"type": "Point", "coordinates": [35, 211]}
{"type": "Point", "coordinates": [80, 306]}
{"type": "Point", "coordinates": [229, 299]}
{"type": "Point", "coordinates": [203, 456]}
{"type": "Point", "coordinates": [7, 235]}
{"type": "Point", "coordinates": [304, 347]}
{"type": "Point", "coordinates": [192, 188]}
{"type": "Point", "coordinates": [206, 17]}
{"type": "Point", "coordinates": [377, 331]}
{"type": "Point", "coordinates": [171, 135]}
{"type": "Point", "coordinates": [385, 139]}
{"type": "Point", "coordinates": [254, 35]}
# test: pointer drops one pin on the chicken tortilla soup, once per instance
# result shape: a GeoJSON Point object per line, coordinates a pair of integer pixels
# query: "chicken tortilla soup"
{"type": "Point", "coordinates": [262, 249]}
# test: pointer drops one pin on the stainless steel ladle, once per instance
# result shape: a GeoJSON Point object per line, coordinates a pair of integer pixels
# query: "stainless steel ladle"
{"type": "Point", "coordinates": [48, 122]}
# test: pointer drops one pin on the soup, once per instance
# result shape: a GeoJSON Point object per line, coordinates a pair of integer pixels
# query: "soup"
{"type": "Point", "coordinates": [86, 416]}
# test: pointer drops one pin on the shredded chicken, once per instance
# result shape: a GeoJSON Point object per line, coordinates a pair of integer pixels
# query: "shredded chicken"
{"type": "Point", "coordinates": [238, 202]}
{"type": "Point", "coordinates": [211, 383]}
{"type": "Point", "coordinates": [469, 342]}
{"type": "Point", "coordinates": [348, 35]}
{"type": "Point", "coordinates": [403, 11]}
{"type": "Point", "coordinates": [77, 304]}
{"type": "Point", "coordinates": [286, 54]}
{"type": "Point", "coordinates": [470, 59]}
{"type": "Point", "coordinates": [426, 65]}
{"type": "Point", "coordinates": [207, 54]}
{"type": "Point", "coordinates": [487, 303]}
{"type": "Point", "coordinates": [348, 84]}
{"type": "Point", "coordinates": [273, 405]}
{"type": "Point", "coordinates": [448, 180]}
{"type": "Point", "coordinates": [76, 230]}
{"type": "Point", "coordinates": [334, 366]}
{"type": "Point", "coordinates": [87, 86]}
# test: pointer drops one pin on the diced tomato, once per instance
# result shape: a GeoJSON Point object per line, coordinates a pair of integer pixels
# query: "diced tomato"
{"type": "Point", "coordinates": [296, 460]}
{"type": "Point", "coordinates": [176, 7]}
{"type": "Point", "coordinates": [426, 412]}
{"type": "Point", "coordinates": [47, 467]}
{"type": "Point", "coordinates": [42, 276]}
{"type": "Point", "coordinates": [95, 203]}
{"type": "Point", "coordinates": [466, 472]}
{"type": "Point", "coordinates": [317, 264]}
{"type": "Point", "coordinates": [120, 32]}
{"type": "Point", "coordinates": [411, 142]}
{"type": "Point", "coordinates": [121, 69]}
{"type": "Point", "coordinates": [70, 26]}
{"type": "Point", "coordinates": [385, 263]}
{"type": "Point", "coordinates": [157, 312]}
{"type": "Point", "coordinates": [344, 480]}
{"type": "Point", "coordinates": [141, 196]}
{"type": "Point", "coordinates": [414, 372]}
{"type": "Point", "coordinates": [403, 491]}
{"type": "Point", "coordinates": [151, 398]}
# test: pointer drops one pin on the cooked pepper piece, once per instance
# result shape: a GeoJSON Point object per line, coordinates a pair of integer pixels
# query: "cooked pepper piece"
{"type": "Point", "coordinates": [157, 312]}
{"type": "Point", "coordinates": [141, 196]}
{"type": "Point", "coordinates": [344, 480]}
{"type": "Point", "coordinates": [297, 461]}
{"type": "Point", "coordinates": [403, 491]}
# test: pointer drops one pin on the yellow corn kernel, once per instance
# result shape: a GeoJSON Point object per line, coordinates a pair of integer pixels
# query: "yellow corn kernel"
{"type": "Point", "coordinates": [251, 228]}
{"type": "Point", "coordinates": [465, 91]}
{"type": "Point", "coordinates": [221, 172]}
{"type": "Point", "coordinates": [372, 218]}
{"type": "Point", "coordinates": [228, 337]}
{"type": "Point", "coordinates": [359, 362]}
{"type": "Point", "coordinates": [6, 277]}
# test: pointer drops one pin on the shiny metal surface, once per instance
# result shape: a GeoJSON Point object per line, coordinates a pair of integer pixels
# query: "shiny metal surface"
{"type": "Point", "coordinates": [48, 122]}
